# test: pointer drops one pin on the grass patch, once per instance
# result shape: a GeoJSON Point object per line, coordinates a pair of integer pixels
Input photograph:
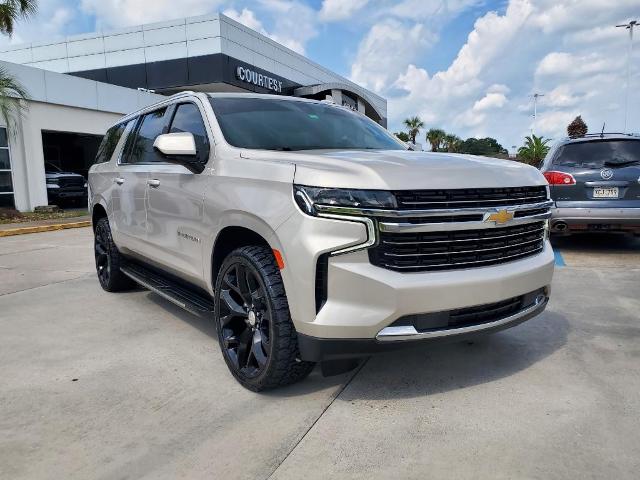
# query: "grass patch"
{"type": "Point", "coordinates": [13, 216]}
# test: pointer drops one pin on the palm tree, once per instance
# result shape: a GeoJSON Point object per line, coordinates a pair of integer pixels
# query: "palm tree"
{"type": "Point", "coordinates": [451, 143]}
{"type": "Point", "coordinates": [435, 137]}
{"type": "Point", "coordinates": [13, 10]}
{"type": "Point", "coordinates": [402, 136]}
{"type": "Point", "coordinates": [414, 124]}
{"type": "Point", "coordinates": [11, 91]}
{"type": "Point", "coordinates": [534, 149]}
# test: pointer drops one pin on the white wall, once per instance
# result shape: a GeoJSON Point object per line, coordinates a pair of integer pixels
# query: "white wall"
{"type": "Point", "coordinates": [27, 155]}
{"type": "Point", "coordinates": [61, 103]}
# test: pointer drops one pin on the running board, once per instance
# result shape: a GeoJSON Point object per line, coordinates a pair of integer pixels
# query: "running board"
{"type": "Point", "coordinates": [170, 290]}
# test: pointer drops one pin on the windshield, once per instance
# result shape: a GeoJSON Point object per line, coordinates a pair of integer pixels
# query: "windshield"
{"type": "Point", "coordinates": [599, 153]}
{"type": "Point", "coordinates": [272, 124]}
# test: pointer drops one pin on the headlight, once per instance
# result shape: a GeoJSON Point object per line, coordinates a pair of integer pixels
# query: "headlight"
{"type": "Point", "coordinates": [308, 198]}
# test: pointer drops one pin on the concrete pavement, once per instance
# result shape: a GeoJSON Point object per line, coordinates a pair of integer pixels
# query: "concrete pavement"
{"type": "Point", "coordinates": [114, 386]}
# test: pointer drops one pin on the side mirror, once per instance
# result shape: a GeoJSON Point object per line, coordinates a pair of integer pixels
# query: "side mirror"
{"type": "Point", "coordinates": [180, 143]}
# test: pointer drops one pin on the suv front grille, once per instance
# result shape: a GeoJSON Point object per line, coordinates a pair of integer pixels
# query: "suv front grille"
{"type": "Point", "coordinates": [428, 251]}
{"type": "Point", "coordinates": [469, 197]}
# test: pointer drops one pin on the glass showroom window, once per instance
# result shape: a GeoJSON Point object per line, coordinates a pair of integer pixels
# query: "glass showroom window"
{"type": "Point", "coordinates": [6, 185]}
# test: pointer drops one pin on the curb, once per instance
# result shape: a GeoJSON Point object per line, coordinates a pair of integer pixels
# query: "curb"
{"type": "Point", "coordinates": [44, 228]}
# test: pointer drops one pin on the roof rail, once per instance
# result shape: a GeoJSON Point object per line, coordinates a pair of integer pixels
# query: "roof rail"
{"type": "Point", "coordinates": [181, 93]}
{"type": "Point", "coordinates": [602, 134]}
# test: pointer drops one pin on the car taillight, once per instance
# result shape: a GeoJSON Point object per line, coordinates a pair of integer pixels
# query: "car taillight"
{"type": "Point", "coordinates": [559, 178]}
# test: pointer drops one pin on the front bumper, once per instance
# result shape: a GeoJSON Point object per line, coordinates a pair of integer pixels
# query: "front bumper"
{"type": "Point", "coordinates": [394, 338]}
{"type": "Point", "coordinates": [584, 218]}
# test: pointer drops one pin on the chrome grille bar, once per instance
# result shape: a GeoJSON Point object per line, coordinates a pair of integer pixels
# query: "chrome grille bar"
{"type": "Point", "coordinates": [445, 227]}
{"type": "Point", "coordinates": [497, 237]}
{"type": "Point", "coordinates": [438, 212]}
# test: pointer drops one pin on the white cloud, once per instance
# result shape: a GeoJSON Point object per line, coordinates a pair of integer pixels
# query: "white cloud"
{"type": "Point", "coordinates": [245, 17]}
{"type": "Point", "coordinates": [294, 23]}
{"type": "Point", "coordinates": [490, 101]}
{"type": "Point", "coordinates": [434, 9]}
{"type": "Point", "coordinates": [119, 13]}
{"type": "Point", "coordinates": [336, 10]}
{"type": "Point", "coordinates": [58, 16]}
{"type": "Point", "coordinates": [386, 48]}
{"type": "Point", "coordinates": [572, 65]}
{"type": "Point", "coordinates": [568, 50]}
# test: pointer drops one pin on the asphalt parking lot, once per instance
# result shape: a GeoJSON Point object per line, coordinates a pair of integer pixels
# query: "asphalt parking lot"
{"type": "Point", "coordinates": [117, 386]}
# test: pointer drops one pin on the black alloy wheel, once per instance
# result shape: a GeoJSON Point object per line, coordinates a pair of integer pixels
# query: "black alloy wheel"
{"type": "Point", "coordinates": [258, 340]}
{"type": "Point", "coordinates": [101, 249]}
{"type": "Point", "coordinates": [108, 259]}
{"type": "Point", "coordinates": [245, 318]}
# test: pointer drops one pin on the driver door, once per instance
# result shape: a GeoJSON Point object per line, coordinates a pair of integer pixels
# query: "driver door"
{"type": "Point", "coordinates": [175, 197]}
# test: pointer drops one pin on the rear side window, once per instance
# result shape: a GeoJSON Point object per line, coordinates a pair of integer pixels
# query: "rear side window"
{"type": "Point", "coordinates": [188, 119]}
{"type": "Point", "coordinates": [598, 154]}
{"type": "Point", "coordinates": [140, 149]}
{"type": "Point", "coordinates": [109, 142]}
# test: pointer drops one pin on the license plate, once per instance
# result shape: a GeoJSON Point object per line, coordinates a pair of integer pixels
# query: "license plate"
{"type": "Point", "coordinates": [605, 192]}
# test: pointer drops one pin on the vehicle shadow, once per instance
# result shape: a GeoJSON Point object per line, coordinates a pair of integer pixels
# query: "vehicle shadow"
{"type": "Point", "coordinates": [313, 383]}
{"type": "Point", "coordinates": [431, 369]}
{"type": "Point", "coordinates": [597, 243]}
{"type": "Point", "coordinates": [424, 369]}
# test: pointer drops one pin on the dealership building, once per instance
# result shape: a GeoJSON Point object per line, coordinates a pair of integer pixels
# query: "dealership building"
{"type": "Point", "coordinates": [83, 83]}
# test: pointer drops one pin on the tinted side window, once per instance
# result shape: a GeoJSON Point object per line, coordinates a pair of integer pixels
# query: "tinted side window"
{"type": "Point", "coordinates": [188, 119]}
{"type": "Point", "coordinates": [141, 148]}
{"type": "Point", "coordinates": [109, 142]}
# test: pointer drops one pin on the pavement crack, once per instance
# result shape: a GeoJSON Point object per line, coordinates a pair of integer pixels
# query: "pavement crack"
{"type": "Point", "coordinates": [46, 285]}
{"type": "Point", "coordinates": [324, 410]}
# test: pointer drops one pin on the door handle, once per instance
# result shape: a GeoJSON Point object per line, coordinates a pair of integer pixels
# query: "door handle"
{"type": "Point", "coordinates": [119, 180]}
{"type": "Point", "coordinates": [153, 183]}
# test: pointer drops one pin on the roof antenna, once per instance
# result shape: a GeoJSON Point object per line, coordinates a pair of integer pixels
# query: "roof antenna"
{"type": "Point", "coordinates": [602, 132]}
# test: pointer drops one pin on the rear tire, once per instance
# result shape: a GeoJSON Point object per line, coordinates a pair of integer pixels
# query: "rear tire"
{"type": "Point", "coordinates": [258, 340]}
{"type": "Point", "coordinates": [109, 260]}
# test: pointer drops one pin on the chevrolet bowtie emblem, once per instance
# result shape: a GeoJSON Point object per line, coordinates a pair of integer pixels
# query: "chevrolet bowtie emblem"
{"type": "Point", "coordinates": [499, 217]}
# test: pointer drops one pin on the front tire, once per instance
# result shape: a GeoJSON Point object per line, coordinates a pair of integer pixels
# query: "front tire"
{"type": "Point", "coordinates": [109, 260]}
{"type": "Point", "coordinates": [257, 337]}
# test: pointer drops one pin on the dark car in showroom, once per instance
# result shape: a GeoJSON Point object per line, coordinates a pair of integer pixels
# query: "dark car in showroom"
{"type": "Point", "coordinates": [65, 188]}
{"type": "Point", "coordinates": [594, 181]}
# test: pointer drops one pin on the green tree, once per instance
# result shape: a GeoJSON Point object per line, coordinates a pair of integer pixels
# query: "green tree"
{"type": "Point", "coordinates": [489, 147]}
{"type": "Point", "coordinates": [11, 91]}
{"type": "Point", "coordinates": [403, 136]}
{"type": "Point", "coordinates": [436, 136]}
{"type": "Point", "coordinates": [534, 149]}
{"type": "Point", "coordinates": [414, 124]}
{"type": "Point", "coordinates": [577, 128]}
{"type": "Point", "coordinates": [451, 143]}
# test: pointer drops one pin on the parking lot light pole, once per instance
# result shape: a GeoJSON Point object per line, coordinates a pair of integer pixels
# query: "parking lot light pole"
{"type": "Point", "coordinates": [535, 110]}
{"type": "Point", "coordinates": [629, 26]}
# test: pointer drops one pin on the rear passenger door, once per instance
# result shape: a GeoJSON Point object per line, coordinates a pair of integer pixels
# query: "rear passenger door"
{"type": "Point", "coordinates": [136, 162]}
{"type": "Point", "coordinates": [176, 199]}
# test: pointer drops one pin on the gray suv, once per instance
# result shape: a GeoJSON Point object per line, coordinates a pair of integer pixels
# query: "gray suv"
{"type": "Point", "coordinates": [595, 183]}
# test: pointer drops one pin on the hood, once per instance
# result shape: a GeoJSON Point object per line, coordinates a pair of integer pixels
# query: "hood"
{"type": "Point", "coordinates": [404, 169]}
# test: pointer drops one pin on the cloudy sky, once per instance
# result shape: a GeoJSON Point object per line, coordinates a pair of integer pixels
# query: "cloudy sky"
{"type": "Point", "coordinates": [467, 66]}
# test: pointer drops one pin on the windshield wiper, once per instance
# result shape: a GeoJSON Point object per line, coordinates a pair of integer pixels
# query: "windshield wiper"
{"type": "Point", "coordinates": [620, 163]}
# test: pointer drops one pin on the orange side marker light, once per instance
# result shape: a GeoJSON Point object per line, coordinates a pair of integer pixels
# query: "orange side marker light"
{"type": "Point", "coordinates": [279, 260]}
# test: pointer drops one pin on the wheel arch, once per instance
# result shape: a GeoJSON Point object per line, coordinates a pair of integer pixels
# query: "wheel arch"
{"type": "Point", "coordinates": [230, 238]}
{"type": "Point", "coordinates": [97, 212]}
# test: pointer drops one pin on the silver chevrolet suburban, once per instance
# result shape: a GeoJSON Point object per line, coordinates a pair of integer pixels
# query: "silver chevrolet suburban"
{"type": "Point", "coordinates": [309, 234]}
